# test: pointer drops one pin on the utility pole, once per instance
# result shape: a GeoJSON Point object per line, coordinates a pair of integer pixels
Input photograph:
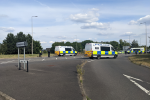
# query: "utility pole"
{"type": "Point", "coordinates": [76, 42]}
{"type": "Point", "coordinates": [32, 31]}
{"type": "Point", "coordinates": [146, 35]}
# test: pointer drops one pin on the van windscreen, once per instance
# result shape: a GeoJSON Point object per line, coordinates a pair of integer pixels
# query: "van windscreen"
{"type": "Point", "coordinates": [67, 49]}
{"type": "Point", "coordinates": [105, 48]}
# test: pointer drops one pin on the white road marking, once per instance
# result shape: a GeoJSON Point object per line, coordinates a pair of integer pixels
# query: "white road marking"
{"type": "Point", "coordinates": [56, 58]}
{"type": "Point", "coordinates": [89, 61]}
{"type": "Point", "coordinates": [138, 85]}
{"type": "Point", "coordinates": [92, 60]}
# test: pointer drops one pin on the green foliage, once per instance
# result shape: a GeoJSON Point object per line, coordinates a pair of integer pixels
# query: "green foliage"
{"type": "Point", "coordinates": [134, 44]}
{"type": "Point", "coordinates": [9, 44]}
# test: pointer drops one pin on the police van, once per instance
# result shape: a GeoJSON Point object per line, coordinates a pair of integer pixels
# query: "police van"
{"type": "Point", "coordinates": [65, 50]}
{"type": "Point", "coordinates": [134, 50]}
{"type": "Point", "coordinates": [97, 50]}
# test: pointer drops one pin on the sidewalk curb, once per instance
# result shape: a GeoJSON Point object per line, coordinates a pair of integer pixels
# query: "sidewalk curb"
{"type": "Point", "coordinates": [5, 97]}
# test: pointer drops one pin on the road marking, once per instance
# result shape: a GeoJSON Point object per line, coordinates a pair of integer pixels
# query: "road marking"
{"type": "Point", "coordinates": [138, 85]}
{"type": "Point", "coordinates": [56, 58]}
{"type": "Point", "coordinates": [89, 61]}
{"type": "Point", "coordinates": [92, 60]}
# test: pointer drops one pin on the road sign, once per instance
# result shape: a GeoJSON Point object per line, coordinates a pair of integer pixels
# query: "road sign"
{"type": "Point", "coordinates": [23, 61]}
{"type": "Point", "coordinates": [21, 44]}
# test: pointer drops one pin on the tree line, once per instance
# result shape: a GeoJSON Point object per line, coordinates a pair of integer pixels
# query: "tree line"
{"type": "Point", "coordinates": [81, 45]}
{"type": "Point", "coordinates": [9, 44]}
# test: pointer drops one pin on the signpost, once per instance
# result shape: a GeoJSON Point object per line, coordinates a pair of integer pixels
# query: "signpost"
{"type": "Point", "coordinates": [19, 45]}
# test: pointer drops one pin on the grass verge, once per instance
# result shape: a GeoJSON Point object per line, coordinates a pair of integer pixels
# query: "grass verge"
{"type": "Point", "coordinates": [141, 59]}
{"type": "Point", "coordinates": [15, 56]}
{"type": "Point", "coordinates": [80, 72]}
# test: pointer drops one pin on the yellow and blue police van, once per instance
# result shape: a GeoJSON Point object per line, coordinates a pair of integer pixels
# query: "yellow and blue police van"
{"type": "Point", "coordinates": [98, 50]}
{"type": "Point", "coordinates": [65, 50]}
{"type": "Point", "coordinates": [134, 50]}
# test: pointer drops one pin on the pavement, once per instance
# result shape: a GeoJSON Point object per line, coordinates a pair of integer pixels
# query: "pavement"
{"type": "Point", "coordinates": [53, 78]}
{"type": "Point", "coordinates": [116, 79]}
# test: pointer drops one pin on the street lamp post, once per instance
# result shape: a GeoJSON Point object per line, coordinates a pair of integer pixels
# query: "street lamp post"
{"type": "Point", "coordinates": [76, 42]}
{"type": "Point", "coordinates": [32, 31]}
{"type": "Point", "coordinates": [146, 35]}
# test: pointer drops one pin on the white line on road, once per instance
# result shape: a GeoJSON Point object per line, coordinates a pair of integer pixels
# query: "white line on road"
{"type": "Point", "coordinates": [138, 85]}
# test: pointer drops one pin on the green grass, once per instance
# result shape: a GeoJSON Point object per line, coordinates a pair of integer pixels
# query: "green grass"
{"type": "Point", "coordinates": [141, 59]}
{"type": "Point", "coordinates": [15, 56]}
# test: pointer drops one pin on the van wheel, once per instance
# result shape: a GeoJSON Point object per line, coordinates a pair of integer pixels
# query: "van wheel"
{"type": "Point", "coordinates": [98, 57]}
{"type": "Point", "coordinates": [115, 56]}
{"type": "Point", "coordinates": [91, 57]}
{"type": "Point", "coordinates": [75, 54]}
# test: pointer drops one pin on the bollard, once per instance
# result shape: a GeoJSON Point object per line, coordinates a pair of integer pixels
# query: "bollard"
{"type": "Point", "coordinates": [48, 53]}
{"type": "Point", "coordinates": [19, 66]}
{"type": "Point", "coordinates": [27, 67]}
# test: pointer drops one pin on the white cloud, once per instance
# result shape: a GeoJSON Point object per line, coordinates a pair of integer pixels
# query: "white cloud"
{"type": "Point", "coordinates": [63, 40]}
{"type": "Point", "coordinates": [127, 34]}
{"type": "Point", "coordinates": [43, 42]}
{"type": "Point", "coordinates": [76, 39]}
{"type": "Point", "coordinates": [96, 25]}
{"type": "Point", "coordinates": [90, 38]}
{"type": "Point", "coordinates": [3, 16]}
{"type": "Point", "coordinates": [141, 20]}
{"type": "Point", "coordinates": [51, 41]}
{"type": "Point", "coordinates": [61, 37]}
{"type": "Point", "coordinates": [7, 29]}
{"type": "Point", "coordinates": [90, 16]}
{"type": "Point", "coordinates": [104, 34]}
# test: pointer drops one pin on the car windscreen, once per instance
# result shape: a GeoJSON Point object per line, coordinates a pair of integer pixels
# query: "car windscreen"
{"type": "Point", "coordinates": [68, 49]}
{"type": "Point", "coordinates": [105, 48]}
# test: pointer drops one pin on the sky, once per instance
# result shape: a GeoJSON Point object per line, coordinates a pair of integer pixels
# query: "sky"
{"type": "Point", "coordinates": [76, 20]}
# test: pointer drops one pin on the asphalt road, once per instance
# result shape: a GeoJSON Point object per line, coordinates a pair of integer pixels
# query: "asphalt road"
{"type": "Point", "coordinates": [52, 78]}
{"type": "Point", "coordinates": [116, 79]}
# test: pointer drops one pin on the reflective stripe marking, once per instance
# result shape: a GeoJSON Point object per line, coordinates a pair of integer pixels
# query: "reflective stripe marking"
{"type": "Point", "coordinates": [102, 52]}
{"type": "Point", "coordinates": [109, 52]}
{"type": "Point", "coordinates": [94, 52]}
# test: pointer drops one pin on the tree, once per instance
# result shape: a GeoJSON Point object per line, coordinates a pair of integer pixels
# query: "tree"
{"type": "Point", "coordinates": [9, 44]}
{"type": "Point", "coordinates": [121, 44]}
{"type": "Point", "coordinates": [115, 44]}
{"type": "Point", "coordinates": [134, 44]}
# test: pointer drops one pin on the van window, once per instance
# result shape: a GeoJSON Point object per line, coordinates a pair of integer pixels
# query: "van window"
{"type": "Point", "coordinates": [105, 48]}
{"type": "Point", "coordinates": [136, 49]}
{"type": "Point", "coordinates": [112, 49]}
{"type": "Point", "coordinates": [96, 47]}
{"type": "Point", "coordinates": [67, 49]}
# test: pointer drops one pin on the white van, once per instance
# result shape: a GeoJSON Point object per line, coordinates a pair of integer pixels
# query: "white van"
{"type": "Point", "coordinates": [133, 50]}
{"type": "Point", "coordinates": [98, 50]}
{"type": "Point", "coordinates": [65, 50]}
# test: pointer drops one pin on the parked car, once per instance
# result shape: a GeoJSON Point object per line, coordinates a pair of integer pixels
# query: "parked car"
{"type": "Point", "coordinates": [148, 51]}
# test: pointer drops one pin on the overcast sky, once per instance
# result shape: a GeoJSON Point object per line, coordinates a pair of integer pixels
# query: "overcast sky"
{"type": "Point", "coordinates": [66, 20]}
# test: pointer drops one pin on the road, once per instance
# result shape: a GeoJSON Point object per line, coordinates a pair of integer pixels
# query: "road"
{"type": "Point", "coordinates": [55, 78]}
{"type": "Point", "coordinates": [52, 78]}
{"type": "Point", "coordinates": [116, 79]}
